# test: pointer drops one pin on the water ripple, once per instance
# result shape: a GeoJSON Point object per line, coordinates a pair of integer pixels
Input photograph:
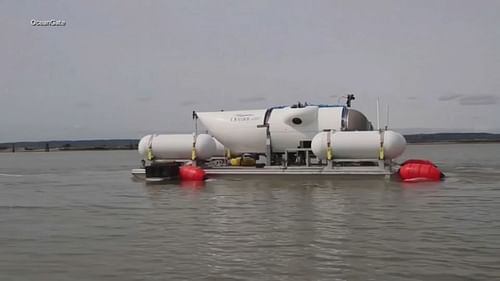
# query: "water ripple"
{"type": "Point", "coordinates": [86, 220]}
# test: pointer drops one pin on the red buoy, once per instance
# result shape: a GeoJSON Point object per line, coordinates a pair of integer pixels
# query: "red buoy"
{"type": "Point", "coordinates": [191, 173]}
{"type": "Point", "coordinates": [419, 170]}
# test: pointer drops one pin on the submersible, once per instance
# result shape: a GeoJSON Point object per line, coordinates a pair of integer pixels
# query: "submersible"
{"type": "Point", "coordinates": [300, 139]}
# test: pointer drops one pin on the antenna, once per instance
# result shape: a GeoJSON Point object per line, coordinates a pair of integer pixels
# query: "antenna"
{"type": "Point", "coordinates": [350, 97]}
{"type": "Point", "coordinates": [195, 118]}
{"type": "Point", "coordinates": [387, 120]}
{"type": "Point", "coordinates": [378, 113]}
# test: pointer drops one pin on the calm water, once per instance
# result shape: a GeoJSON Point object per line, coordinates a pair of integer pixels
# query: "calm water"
{"type": "Point", "coordinates": [79, 216]}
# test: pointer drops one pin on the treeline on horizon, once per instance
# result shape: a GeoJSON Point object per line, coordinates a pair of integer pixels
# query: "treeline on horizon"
{"type": "Point", "coordinates": [115, 144]}
{"type": "Point", "coordinates": [100, 144]}
{"type": "Point", "coordinates": [452, 137]}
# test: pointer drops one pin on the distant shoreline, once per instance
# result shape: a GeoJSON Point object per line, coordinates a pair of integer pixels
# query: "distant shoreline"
{"type": "Point", "coordinates": [455, 142]}
{"type": "Point", "coordinates": [131, 144]}
{"type": "Point", "coordinates": [21, 150]}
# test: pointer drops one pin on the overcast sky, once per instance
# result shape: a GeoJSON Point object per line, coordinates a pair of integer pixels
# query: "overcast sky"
{"type": "Point", "coordinates": [121, 69]}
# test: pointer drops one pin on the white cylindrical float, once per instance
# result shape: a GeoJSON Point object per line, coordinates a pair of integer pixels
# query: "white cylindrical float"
{"type": "Point", "coordinates": [220, 149]}
{"type": "Point", "coordinates": [358, 144]}
{"type": "Point", "coordinates": [177, 146]}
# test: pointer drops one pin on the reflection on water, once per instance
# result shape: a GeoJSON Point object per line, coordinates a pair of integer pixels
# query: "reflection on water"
{"type": "Point", "coordinates": [79, 216]}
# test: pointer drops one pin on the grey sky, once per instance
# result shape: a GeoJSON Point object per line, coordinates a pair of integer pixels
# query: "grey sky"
{"type": "Point", "coordinates": [127, 68]}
